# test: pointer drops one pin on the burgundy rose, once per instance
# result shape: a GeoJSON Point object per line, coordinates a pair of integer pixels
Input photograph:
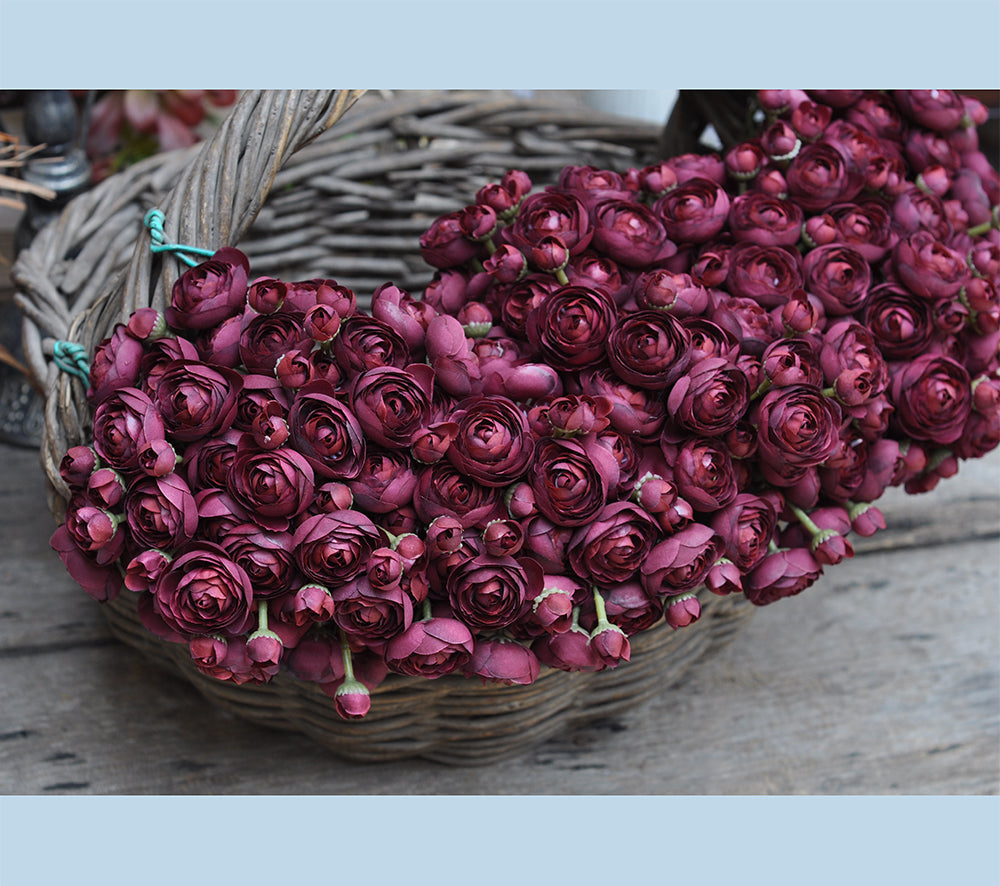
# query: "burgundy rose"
{"type": "Point", "coordinates": [123, 425]}
{"type": "Point", "coordinates": [516, 302]}
{"type": "Point", "coordinates": [866, 227]}
{"type": "Point", "coordinates": [933, 398]}
{"type": "Point", "coordinates": [695, 211]}
{"type": "Point", "coordinates": [334, 548]}
{"type": "Point", "coordinates": [747, 321]}
{"type": "Point", "coordinates": [659, 289]}
{"type": "Point", "coordinates": [220, 345]}
{"type": "Point", "coordinates": [710, 399]}
{"type": "Point", "coordinates": [852, 363]}
{"type": "Point", "coordinates": [709, 340]}
{"type": "Point", "coordinates": [161, 512]}
{"type": "Point", "coordinates": [781, 574]}
{"type": "Point", "coordinates": [204, 592]}
{"type": "Point", "coordinates": [305, 294]}
{"type": "Point", "coordinates": [106, 488]}
{"type": "Point", "coordinates": [929, 268]}
{"type": "Point", "coordinates": [265, 556]}
{"type": "Point", "coordinates": [115, 365]}
{"type": "Point", "coordinates": [210, 292]}
{"type": "Point", "coordinates": [747, 526]}
{"type": "Point", "coordinates": [499, 660]}
{"type": "Point", "coordinates": [758, 218]}
{"type": "Point", "coordinates": [430, 648]}
{"type": "Point", "coordinates": [681, 561]}
{"type": "Point", "coordinates": [705, 475]}
{"type": "Point", "coordinates": [571, 483]}
{"type": "Point", "coordinates": [392, 404]}
{"type": "Point", "coordinates": [266, 295]}
{"type": "Point", "coordinates": [822, 175]}
{"type": "Point", "coordinates": [326, 432]}
{"type": "Point", "coordinates": [571, 325]}
{"type": "Point", "coordinates": [274, 486]}
{"type": "Point", "coordinates": [265, 338]}
{"type": "Point", "coordinates": [145, 569]}
{"type": "Point", "coordinates": [197, 400]}
{"type": "Point", "coordinates": [552, 213]}
{"type": "Point", "coordinates": [408, 317]}
{"type": "Point", "coordinates": [309, 604]}
{"type": "Point", "coordinates": [94, 530]}
{"type": "Point", "coordinates": [568, 651]}
{"type": "Point", "coordinates": [366, 343]}
{"type": "Point", "coordinates": [798, 427]}
{"type": "Point", "coordinates": [443, 490]}
{"type": "Point", "coordinates": [635, 412]}
{"type": "Point", "coordinates": [900, 322]}
{"type": "Point", "coordinates": [630, 233]}
{"type": "Point", "coordinates": [444, 244]}
{"type": "Point", "coordinates": [492, 444]}
{"type": "Point", "coordinates": [838, 276]}
{"type": "Point", "coordinates": [489, 593]}
{"type": "Point", "coordinates": [371, 614]}
{"type": "Point", "coordinates": [610, 550]}
{"type": "Point", "coordinates": [766, 274]}
{"type": "Point", "coordinates": [791, 361]}
{"type": "Point", "coordinates": [77, 465]}
{"type": "Point", "coordinates": [385, 482]}
{"type": "Point", "coordinates": [648, 349]}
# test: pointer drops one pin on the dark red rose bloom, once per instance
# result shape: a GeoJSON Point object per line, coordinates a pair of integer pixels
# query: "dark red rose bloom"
{"type": "Point", "coordinates": [569, 416]}
{"type": "Point", "coordinates": [571, 325]}
{"type": "Point", "coordinates": [207, 462]}
{"type": "Point", "coordinates": [933, 398]}
{"type": "Point", "coordinates": [929, 268]}
{"type": "Point", "coordinates": [710, 399]}
{"type": "Point", "coordinates": [326, 432]}
{"type": "Point", "coordinates": [838, 276]}
{"type": "Point", "coordinates": [77, 465]}
{"type": "Point", "coordinates": [490, 593]}
{"type": "Point", "coordinates": [797, 428]}
{"type": "Point", "coordinates": [365, 343]}
{"type": "Point", "coordinates": [204, 592]}
{"type": "Point", "coordinates": [273, 486]}
{"type": "Point", "coordinates": [597, 271]}
{"type": "Point", "coordinates": [766, 274]}
{"type": "Point", "coordinates": [492, 444]}
{"type": "Point", "coordinates": [852, 363]}
{"type": "Point", "coordinates": [782, 574]}
{"type": "Point", "coordinates": [197, 400]}
{"type": "Point", "coordinates": [758, 218]}
{"type": "Point", "coordinates": [371, 614]}
{"type": "Point", "coordinates": [705, 475]}
{"type": "Point", "coordinates": [94, 530]}
{"type": "Point", "coordinates": [693, 212]}
{"type": "Point", "coordinates": [681, 561]}
{"type": "Point", "coordinates": [698, 166]}
{"type": "Point", "coordinates": [443, 490]}
{"type": "Point", "coordinates": [592, 185]}
{"type": "Point", "coordinates": [498, 660]}
{"type": "Point", "coordinates": [866, 227]}
{"type": "Point", "coordinates": [334, 548]}
{"type": "Point", "coordinates": [552, 213]}
{"type": "Point", "coordinates": [747, 526]}
{"type": "Point", "coordinates": [791, 361]}
{"type": "Point", "coordinates": [265, 338]}
{"type": "Point", "coordinates": [430, 648]}
{"type": "Point", "coordinates": [710, 340]}
{"type": "Point", "coordinates": [444, 244]}
{"type": "Point", "coordinates": [392, 404]}
{"type": "Point", "coordinates": [385, 482]}
{"type": "Point", "coordinates": [610, 550]}
{"type": "Point", "coordinates": [899, 321]}
{"type": "Point", "coordinates": [636, 412]}
{"type": "Point", "coordinates": [820, 176]}
{"type": "Point", "coordinates": [747, 321]}
{"type": "Point", "coordinates": [123, 425]}
{"type": "Point", "coordinates": [207, 294]}
{"type": "Point", "coordinates": [630, 233]}
{"type": "Point", "coordinates": [161, 512]}
{"type": "Point", "coordinates": [571, 483]}
{"type": "Point", "coordinates": [305, 294]}
{"type": "Point", "coordinates": [115, 365]}
{"type": "Point", "coordinates": [648, 349]}
{"type": "Point", "coordinates": [266, 557]}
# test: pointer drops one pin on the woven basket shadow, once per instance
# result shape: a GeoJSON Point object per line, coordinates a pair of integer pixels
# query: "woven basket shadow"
{"type": "Point", "coordinates": [307, 191]}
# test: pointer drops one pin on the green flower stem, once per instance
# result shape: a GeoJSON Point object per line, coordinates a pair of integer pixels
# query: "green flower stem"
{"type": "Point", "coordinates": [994, 222]}
{"type": "Point", "coordinates": [805, 520]}
{"type": "Point", "coordinates": [561, 277]}
{"type": "Point", "coordinates": [345, 651]}
{"type": "Point", "coordinates": [935, 458]}
{"type": "Point", "coordinates": [427, 608]}
{"type": "Point", "coordinates": [830, 392]}
{"type": "Point", "coordinates": [602, 612]}
{"type": "Point", "coordinates": [762, 389]}
{"type": "Point", "coordinates": [772, 547]}
{"type": "Point", "coordinates": [262, 616]}
{"type": "Point", "coordinates": [488, 242]}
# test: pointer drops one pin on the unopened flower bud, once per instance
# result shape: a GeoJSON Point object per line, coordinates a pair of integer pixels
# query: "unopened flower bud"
{"type": "Point", "coordinates": [681, 610]}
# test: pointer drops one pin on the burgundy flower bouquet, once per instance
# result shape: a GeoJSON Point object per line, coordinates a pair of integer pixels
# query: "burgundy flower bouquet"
{"type": "Point", "coordinates": [621, 396]}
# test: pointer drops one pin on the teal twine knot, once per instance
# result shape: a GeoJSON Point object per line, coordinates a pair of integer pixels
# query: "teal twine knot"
{"type": "Point", "coordinates": [72, 358]}
{"type": "Point", "coordinates": [154, 222]}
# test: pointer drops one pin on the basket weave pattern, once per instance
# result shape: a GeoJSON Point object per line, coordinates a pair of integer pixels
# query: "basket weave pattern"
{"type": "Point", "coordinates": [306, 196]}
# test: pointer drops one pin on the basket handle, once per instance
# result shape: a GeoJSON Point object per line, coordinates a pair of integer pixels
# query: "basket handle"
{"type": "Point", "coordinates": [218, 196]}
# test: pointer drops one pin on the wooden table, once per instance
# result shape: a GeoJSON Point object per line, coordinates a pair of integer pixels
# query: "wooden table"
{"type": "Point", "coordinates": [883, 678]}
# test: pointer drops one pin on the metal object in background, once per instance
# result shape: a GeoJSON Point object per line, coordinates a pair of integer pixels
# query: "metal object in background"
{"type": "Point", "coordinates": [50, 118]}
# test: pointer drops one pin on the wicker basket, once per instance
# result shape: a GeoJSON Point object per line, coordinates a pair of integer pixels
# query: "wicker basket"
{"type": "Point", "coordinates": [305, 196]}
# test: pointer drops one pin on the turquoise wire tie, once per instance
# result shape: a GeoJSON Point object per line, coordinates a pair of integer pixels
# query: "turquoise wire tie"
{"type": "Point", "coordinates": [154, 222]}
{"type": "Point", "coordinates": [72, 358]}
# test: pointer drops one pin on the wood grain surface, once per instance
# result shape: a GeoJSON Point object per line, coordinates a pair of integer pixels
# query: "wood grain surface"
{"type": "Point", "coordinates": [883, 678]}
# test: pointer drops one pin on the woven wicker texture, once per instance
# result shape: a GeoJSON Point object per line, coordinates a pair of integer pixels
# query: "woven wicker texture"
{"type": "Point", "coordinates": [306, 194]}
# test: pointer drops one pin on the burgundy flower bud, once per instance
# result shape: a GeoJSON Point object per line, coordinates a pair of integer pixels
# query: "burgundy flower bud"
{"type": "Point", "coordinates": [933, 398]}
{"type": "Point", "coordinates": [116, 365]}
{"type": "Point", "coordinates": [352, 700]}
{"type": "Point", "coordinates": [681, 561]}
{"type": "Point", "coordinates": [745, 160]}
{"type": "Point", "coordinates": [852, 363]}
{"type": "Point", "coordinates": [653, 493]}
{"type": "Point", "coordinates": [779, 141]}
{"type": "Point", "coordinates": [106, 488]}
{"type": "Point", "coordinates": [477, 221]}
{"type": "Point", "coordinates": [258, 392]}
{"type": "Point", "coordinates": [321, 323]}
{"type": "Point", "coordinates": [161, 512]}
{"type": "Point", "coordinates": [517, 183]}
{"type": "Point", "coordinates": [94, 530]}
{"type": "Point", "coordinates": [498, 198]}
{"type": "Point", "coordinates": [747, 321]}
{"type": "Point", "coordinates": [678, 293]}
{"type": "Point", "coordinates": [124, 424]}
{"type": "Point", "coordinates": [610, 644]}
{"type": "Point", "coordinates": [781, 574]}
{"type": "Point", "coordinates": [630, 233]}
{"type": "Point", "coordinates": [507, 264]}
{"type": "Point", "coordinates": [309, 604]}
{"type": "Point", "coordinates": [492, 445]}
{"type": "Point", "coordinates": [520, 501]}
{"type": "Point", "coordinates": [800, 314]}
{"type": "Point", "coordinates": [304, 294]}
{"type": "Point", "coordinates": [270, 430]}
{"type": "Point", "coordinates": [209, 653]}
{"type": "Point", "coordinates": [444, 244]}
{"type": "Point", "coordinates": [680, 610]}
{"type": "Point", "coordinates": [771, 181]}
{"type": "Point", "coordinates": [866, 519]}
{"type": "Point", "coordinates": [476, 319]}
{"type": "Point", "coordinates": [273, 486]}
{"type": "Point", "coordinates": [266, 295]}
{"type": "Point", "coordinates": [264, 649]}
{"type": "Point", "coordinates": [499, 660]}
{"type": "Point", "coordinates": [549, 254]}
{"type": "Point", "coordinates": [693, 212]}
{"type": "Point", "coordinates": [636, 412]}
{"type": "Point", "coordinates": [145, 569]}
{"type": "Point", "coordinates": [204, 592]}
{"type": "Point", "coordinates": [210, 292]}
{"type": "Point", "coordinates": [791, 362]}
{"type": "Point", "coordinates": [77, 465]}
{"type": "Point", "coordinates": [724, 578]}
{"type": "Point", "coordinates": [444, 535]}
{"type": "Point", "coordinates": [102, 582]}
{"type": "Point", "coordinates": [503, 538]}
{"type": "Point", "coordinates": [820, 230]}
{"type": "Point", "coordinates": [657, 179]}
{"type": "Point", "coordinates": [431, 648]}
